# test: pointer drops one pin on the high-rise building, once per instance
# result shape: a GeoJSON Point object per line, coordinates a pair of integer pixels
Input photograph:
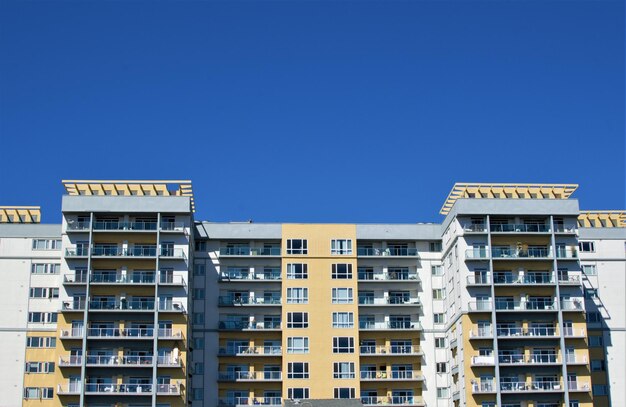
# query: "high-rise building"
{"type": "Point", "coordinates": [515, 300]}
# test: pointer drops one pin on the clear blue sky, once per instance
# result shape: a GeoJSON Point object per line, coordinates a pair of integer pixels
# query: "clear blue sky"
{"type": "Point", "coordinates": [313, 111]}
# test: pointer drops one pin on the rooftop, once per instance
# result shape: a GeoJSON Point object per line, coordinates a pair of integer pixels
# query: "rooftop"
{"type": "Point", "coordinates": [20, 214]}
{"type": "Point", "coordinates": [130, 188]}
{"type": "Point", "coordinates": [506, 191]}
{"type": "Point", "coordinates": [602, 219]}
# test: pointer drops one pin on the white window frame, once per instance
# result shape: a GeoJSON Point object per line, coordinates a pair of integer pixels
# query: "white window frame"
{"type": "Point", "coordinates": [291, 348]}
{"type": "Point", "coordinates": [338, 349]}
{"type": "Point", "coordinates": [292, 324]}
{"type": "Point", "coordinates": [340, 299]}
{"type": "Point", "coordinates": [304, 374]}
{"type": "Point", "coordinates": [339, 373]}
{"type": "Point", "coordinates": [591, 245]}
{"type": "Point", "coordinates": [341, 247]}
{"type": "Point", "coordinates": [335, 275]}
{"type": "Point", "coordinates": [301, 295]}
{"type": "Point", "coordinates": [339, 319]}
{"type": "Point", "coordinates": [304, 247]}
{"type": "Point", "coordinates": [303, 274]}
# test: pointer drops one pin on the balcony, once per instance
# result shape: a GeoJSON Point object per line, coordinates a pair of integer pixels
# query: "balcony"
{"type": "Point", "coordinates": [484, 387]}
{"type": "Point", "coordinates": [567, 253]}
{"type": "Point", "coordinates": [537, 253]}
{"type": "Point", "coordinates": [74, 226]}
{"type": "Point", "coordinates": [70, 361]}
{"type": "Point", "coordinates": [574, 305]}
{"type": "Point", "coordinates": [479, 279]}
{"type": "Point", "coordinates": [479, 306]}
{"type": "Point", "coordinates": [389, 301]}
{"type": "Point", "coordinates": [570, 279]}
{"type": "Point", "coordinates": [173, 227]}
{"type": "Point", "coordinates": [532, 387]}
{"type": "Point", "coordinates": [475, 228]}
{"type": "Point", "coordinates": [530, 278]}
{"type": "Point", "coordinates": [392, 401]}
{"type": "Point", "coordinates": [252, 351]}
{"type": "Point", "coordinates": [547, 304]}
{"type": "Point", "coordinates": [73, 306]}
{"type": "Point", "coordinates": [76, 252]}
{"type": "Point", "coordinates": [248, 401]}
{"type": "Point", "coordinates": [476, 253]}
{"type": "Point", "coordinates": [121, 306]}
{"type": "Point", "coordinates": [483, 361]}
{"type": "Point", "coordinates": [396, 350]}
{"type": "Point", "coordinates": [120, 226]}
{"type": "Point", "coordinates": [73, 333]}
{"type": "Point", "coordinates": [250, 251]}
{"type": "Point", "coordinates": [172, 254]}
{"type": "Point", "coordinates": [388, 277]}
{"type": "Point", "coordinates": [390, 326]}
{"type": "Point", "coordinates": [389, 251]}
{"type": "Point", "coordinates": [533, 332]}
{"type": "Point", "coordinates": [172, 306]}
{"type": "Point", "coordinates": [576, 360]}
{"type": "Point", "coordinates": [519, 228]}
{"type": "Point", "coordinates": [249, 376]}
{"type": "Point", "coordinates": [169, 361]}
{"type": "Point", "coordinates": [522, 359]}
{"type": "Point", "coordinates": [129, 389]}
{"type": "Point", "coordinates": [574, 333]}
{"type": "Point", "coordinates": [481, 334]}
{"type": "Point", "coordinates": [111, 278]}
{"type": "Point", "coordinates": [127, 361]}
{"type": "Point", "coordinates": [69, 389]}
{"type": "Point", "coordinates": [75, 279]}
{"type": "Point", "coordinates": [578, 387]}
{"type": "Point", "coordinates": [113, 251]}
{"type": "Point", "coordinates": [393, 375]}
{"type": "Point", "coordinates": [117, 333]}
{"type": "Point", "coordinates": [230, 301]}
{"type": "Point", "coordinates": [244, 275]}
{"type": "Point", "coordinates": [249, 326]}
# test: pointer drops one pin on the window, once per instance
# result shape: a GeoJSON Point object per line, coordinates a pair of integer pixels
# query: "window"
{"type": "Point", "coordinates": [589, 269]}
{"type": "Point", "coordinates": [198, 368]}
{"type": "Point", "coordinates": [197, 394]}
{"type": "Point", "coordinates": [298, 393]}
{"type": "Point", "coordinates": [47, 393]}
{"type": "Point", "coordinates": [297, 271]}
{"type": "Point", "coordinates": [343, 370]}
{"type": "Point", "coordinates": [200, 246]}
{"type": "Point", "coordinates": [343, 320]}
{"type": "Point", "coordinates": [298, 344]}
{"type": "Point", "coordinates": [594, 316]}
{"type": "Point", "coordinates": [297, 370]}
{"type": "Point", "coordinates": [436, 270]}
{"type": "Point", "coordinates": [198, 318]}
{"type": "Point", "coordinates": [297, 246]}
{"type": "Point", "coordinates": [439, 318]}
{"type": "Point", "coordinates": [443, 392]}
{"type": "Point", "coordinates": [297, 295]}
{"type": "Point", "coordinates": [440, 343]}
{"type": "Point", "coordinates": [42, 268]}
{"type": "Point", "coordinates": [31, 393]}
{"type": "Point", "coordinates": [342, 295]}
{"type": "Point", "coordinates": [42, 317]}
{"type": "Point", "coordinates": [591, 293]}
{"type": "Point", "coordinates": [297, 320]}
{"type": "Point", "coordinates": [344, 393]}
{"type": "Point", "coordinates": [41, 342]}
{"type": "Point", "coordinates": [39, 367]}
{"type": "Point", "coordinates": [41, 292]}
{"type": "Point", "coordinates": [599, 390]}
{"type": "Point", "coordinates": [341, 246]}
{"type": "Point", "coordinates": [199, 270]}
{"type": "Point", "coordinates": [596, 341]}
{"type": "Point", "coordinates": [434, 246]}
{"type": "Point", "coordinates": [46, 244]}
{"type": "Point", "coordinates": [442, 367]}
{"type": "Point", "coordinates": [198, 343]}
{"type": "Point", "coordinates": [341, 271]}
{"type": "Point", "coordinates": [597, 366]}
{"type": "Point", "coordinates": [439, 294]}
{"type": "Point", "coordinates": [343, 344]}
{"type": "Point", "coordinates": [198, 293]}
{"type": "Point", "coordinates": [587, 247]}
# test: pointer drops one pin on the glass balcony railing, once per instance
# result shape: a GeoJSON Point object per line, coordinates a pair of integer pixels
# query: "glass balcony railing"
{"type": "Point", "coordinates": [389, 251]}
{"type": "Point", "coordinates": [250, 401]}
{"type": "Point", "coordinates": [476, 253]}
{"type": "Point", "coordinates": [105, 251]}
{"type": "Point", "coordinates": [536, 386]}
{"type": "Point", "coordinates": [484, 387]}
{"type": "Point", "coordinates": [122, 305]}
{"type": "Point", "coordinates": [252, 350]}
{"type": "Point", "coordinates": [390, 350]}
{"type": "Point", "coordinates": [519, 228]}
{"type": "Point", "coordinates": [391, 325]}
{"type": "Point", "coordinates": [509, 252]}
{"type": "Point", "coordinates": [245, 300]}
{"type": "Point", "coordinates": [546, 304]}
{"type": "Point", "coordinates": [112, 225]}
{"type": "Point", "coordinates": [521, 332]}
{"type": "Point", "coordinates": [246, 325]}
{"type": "Point", "coordinates": [92, 388]}
{"type": "Point", "coordinates": [391, 401]}
{"type": "Point", "coordinates": [249, 251]}
{"type": "Point", "coordinates": [249, 376]}
{"type": "Point", "coordinates": [77, 252]}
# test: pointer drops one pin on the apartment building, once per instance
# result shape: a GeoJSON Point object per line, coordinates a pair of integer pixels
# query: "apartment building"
{"type": "Point", "coordinates": [514, 300]}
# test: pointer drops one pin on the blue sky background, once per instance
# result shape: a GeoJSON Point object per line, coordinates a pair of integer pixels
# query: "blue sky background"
{"type": "Point", "coordinates": [313, 111]}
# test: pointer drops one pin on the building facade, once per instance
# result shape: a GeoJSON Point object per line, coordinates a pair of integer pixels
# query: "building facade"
{"type": "Point", "coordinates": [514, 300]}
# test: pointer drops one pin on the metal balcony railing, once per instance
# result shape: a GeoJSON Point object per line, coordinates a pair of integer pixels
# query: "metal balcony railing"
{"type": "Point", "coordinates": [519, 228]}
{"type": "Point", "coordinates": [536, 386]}
{"type": "Point", "coordinates": [249, 376]}
{"type": "Point", "coordinates": [250, 251]}
{"type": "Point", "coordinates": [249, 401]}
{"type": "Point", "coordinates": [390, 350]}
{"type": "Point", "coordinates": [484, 387]}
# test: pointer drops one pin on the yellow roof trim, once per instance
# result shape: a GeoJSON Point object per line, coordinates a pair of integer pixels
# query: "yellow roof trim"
{"type": "Point", "coordinates": [131, 188]}
{"type": "Point", "coordinates": [20, 214]}
{"type": "Point", "coordinates": [602, 219]}
{"type": "Point", "coordinates": [506, 191]}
